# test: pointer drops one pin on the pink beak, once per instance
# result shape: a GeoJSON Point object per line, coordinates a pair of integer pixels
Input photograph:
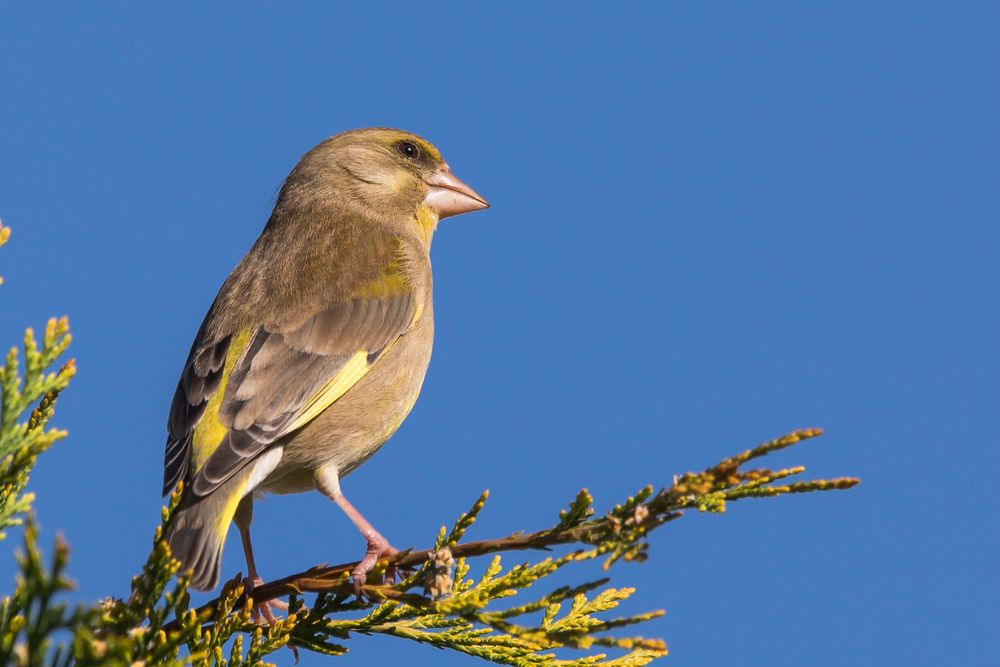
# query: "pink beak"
{"type": "Point", "coordinates": [447, 196]}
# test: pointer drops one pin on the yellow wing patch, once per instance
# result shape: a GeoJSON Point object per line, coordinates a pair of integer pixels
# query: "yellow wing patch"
{"type": "Point", "coordinates": [208, 433]}
{"type": "Point", "coordinates": [225, 517]}
{"type": "Point", "coordinates": [347, 377]}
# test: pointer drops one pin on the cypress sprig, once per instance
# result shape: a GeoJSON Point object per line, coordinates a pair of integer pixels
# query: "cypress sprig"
{"type": "Point", "coordinates": [34, 614]}
{"type": "Point", "coordinates": [470, 618]}
{"type": "Point", "coordinates": [504, 615]}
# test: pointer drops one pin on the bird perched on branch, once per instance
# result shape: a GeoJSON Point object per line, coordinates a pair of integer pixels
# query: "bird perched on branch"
{"type": "Point", "coordinates": [316, 346]}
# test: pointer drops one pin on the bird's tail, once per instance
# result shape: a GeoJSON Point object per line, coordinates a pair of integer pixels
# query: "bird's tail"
{"type": "Point", "coordinates": [198, 532]}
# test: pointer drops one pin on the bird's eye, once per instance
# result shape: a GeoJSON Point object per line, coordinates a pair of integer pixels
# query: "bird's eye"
{"type": "Point", "coordinates": [408, 149]}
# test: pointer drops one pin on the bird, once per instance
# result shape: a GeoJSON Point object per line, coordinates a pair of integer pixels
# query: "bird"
{"type": "Point", "coordinates": [315, 347]}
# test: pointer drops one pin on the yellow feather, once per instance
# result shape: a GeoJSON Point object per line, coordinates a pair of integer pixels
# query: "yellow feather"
{"type": "Point", "coordinates": [428, 220]}
{"type": "Point", "coordinates": [209, 432]}
{"type": "Point", "coordinates": [391, 282]}
{"type": "Point", "coordinates": [223, 519]}
{"type": "Point", "coordinates": [353, 370]}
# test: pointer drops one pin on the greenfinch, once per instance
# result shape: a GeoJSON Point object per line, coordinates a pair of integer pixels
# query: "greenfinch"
{"type": "Point", "coordinates": [316, 346]}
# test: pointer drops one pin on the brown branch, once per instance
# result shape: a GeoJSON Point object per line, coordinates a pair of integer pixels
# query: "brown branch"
{"type": "Point", "coordinates": [328, 578]}
{"type": "Point", "coordinates": [724, 481]}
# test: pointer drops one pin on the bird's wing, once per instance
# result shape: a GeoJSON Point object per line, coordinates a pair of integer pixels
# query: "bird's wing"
{"type": "Point", "coordinates": [241, 393]}
{"type": "Point", "coordinates": [200, 382]}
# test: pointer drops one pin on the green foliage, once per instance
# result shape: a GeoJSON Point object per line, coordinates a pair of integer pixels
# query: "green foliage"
{"type": "Point", "coordinates": [458, 614]}
{"type": "Point", "coordinates": [135, 630]}
{"type": "Point", "coordinates": [440, 604]}
{"type": "Point", "coordinates": [22, 441]}
{"type": "Point", "coordinates": [428, 596]}
{"type": "Point", "coordinates": [32, 615]}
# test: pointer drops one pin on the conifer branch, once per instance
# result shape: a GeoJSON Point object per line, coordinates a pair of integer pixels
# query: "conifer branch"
{"type": "Point", "coordinates": [437, 602]}
{"type": "Point", "coordinates": [619, 534]}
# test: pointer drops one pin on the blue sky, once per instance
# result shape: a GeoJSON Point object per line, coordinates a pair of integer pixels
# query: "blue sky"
{"type": "Point", "coordinates": [712, 223]}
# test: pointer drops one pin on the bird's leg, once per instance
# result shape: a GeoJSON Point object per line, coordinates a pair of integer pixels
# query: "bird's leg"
{"type": "Point", "coordinates": [242, 519]}
{"type": "Point", "coordinates": [378, 548]}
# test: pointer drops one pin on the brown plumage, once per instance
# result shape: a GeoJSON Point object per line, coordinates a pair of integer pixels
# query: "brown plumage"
{"type": "Point", "coordinates": [316, 346]}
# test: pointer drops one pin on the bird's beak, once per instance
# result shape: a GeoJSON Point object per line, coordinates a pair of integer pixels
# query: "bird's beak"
{"type": "Point", "coordinates": [446, 195]}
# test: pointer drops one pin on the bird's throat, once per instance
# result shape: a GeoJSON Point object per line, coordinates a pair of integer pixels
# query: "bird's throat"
{"type": "Point", "coordinates": [427, 221]}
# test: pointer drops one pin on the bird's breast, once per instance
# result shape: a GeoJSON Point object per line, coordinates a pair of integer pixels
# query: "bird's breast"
{"type": "Point", "coordinates": [353, 428]}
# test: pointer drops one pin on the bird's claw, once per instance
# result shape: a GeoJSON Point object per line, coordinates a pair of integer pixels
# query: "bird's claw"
{"type": "Point", "coordinates": [378, 548]}
{"type": "Point", "coordinates": [263, 610]}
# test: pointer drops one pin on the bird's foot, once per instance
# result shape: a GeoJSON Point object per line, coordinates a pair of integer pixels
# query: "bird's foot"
{"type": "Point", "coordinates": [378, 548]}
{"type": "Point", "coordinates": [263, 611]}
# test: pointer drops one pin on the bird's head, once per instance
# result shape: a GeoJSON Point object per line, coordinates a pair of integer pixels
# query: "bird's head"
{"type": "Point", "coordinates": [382, 172]}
